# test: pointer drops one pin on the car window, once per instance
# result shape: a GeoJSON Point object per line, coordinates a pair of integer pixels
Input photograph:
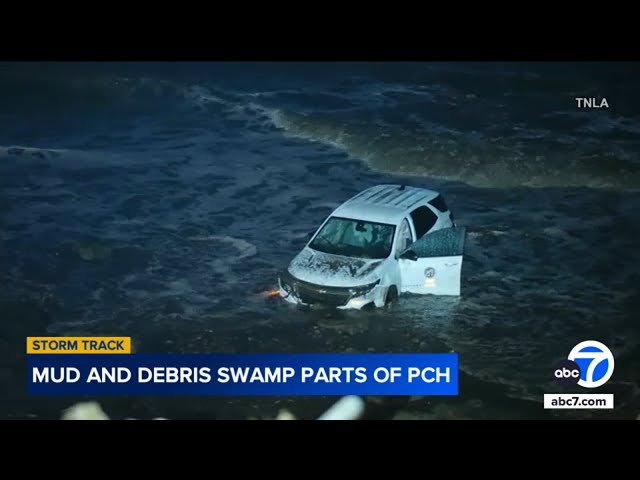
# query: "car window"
{"type": "Point", "coordinates": [439, 203]}
{"type": "Point", "coordinates": [357, 238]}
{"type": "Point", "coordinates": [404, 236]}
{"type": "Point", "coordinates": [423, 220]}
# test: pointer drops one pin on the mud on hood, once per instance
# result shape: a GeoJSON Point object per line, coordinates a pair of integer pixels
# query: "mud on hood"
{"type": "Point", "coordinates": [333, 270]}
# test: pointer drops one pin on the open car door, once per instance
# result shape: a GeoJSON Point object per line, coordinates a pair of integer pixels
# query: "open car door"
{"type": "Point", "coordinates": [433, 264]}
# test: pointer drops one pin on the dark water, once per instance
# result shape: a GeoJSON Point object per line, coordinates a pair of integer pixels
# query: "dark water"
{"type": "Point", "coordinates": [159, 201]}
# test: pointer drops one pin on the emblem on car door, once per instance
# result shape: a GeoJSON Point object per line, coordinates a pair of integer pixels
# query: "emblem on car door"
{"type": "Point", "coordinates": [430, 272]}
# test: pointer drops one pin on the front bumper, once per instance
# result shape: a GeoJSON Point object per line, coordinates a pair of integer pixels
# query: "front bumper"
{"type": "Point", "coordinates": [300, 292]}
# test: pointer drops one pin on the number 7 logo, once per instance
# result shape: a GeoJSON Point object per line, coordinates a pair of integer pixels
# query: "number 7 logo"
{"type": "Point", "coordinates": [596, 363]}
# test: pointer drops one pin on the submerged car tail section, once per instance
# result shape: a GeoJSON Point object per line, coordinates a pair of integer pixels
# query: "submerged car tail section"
{"type": "Point", "coordinates": [384, 241]}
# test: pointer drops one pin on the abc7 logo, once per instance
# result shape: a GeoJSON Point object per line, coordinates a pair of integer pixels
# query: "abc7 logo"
{"type": "Point", "coordinates": [567, 373]}
{"type": "Point", "coordinates": [597, 366]}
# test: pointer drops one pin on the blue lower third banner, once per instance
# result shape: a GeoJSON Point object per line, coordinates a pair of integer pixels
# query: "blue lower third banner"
{"type": "Point", "coordinates": [243, 374]}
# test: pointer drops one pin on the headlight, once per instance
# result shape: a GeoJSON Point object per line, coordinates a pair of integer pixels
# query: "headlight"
{"type": "Point", "coordinates": [286, 281]}
{"type": "Point", "coordinates": [284, 286]}
{"type": "Point", "coordinates": [364, 289]}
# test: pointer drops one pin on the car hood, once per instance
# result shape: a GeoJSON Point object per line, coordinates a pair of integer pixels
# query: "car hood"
{"type": "Point", "coordinates": [333, 270]}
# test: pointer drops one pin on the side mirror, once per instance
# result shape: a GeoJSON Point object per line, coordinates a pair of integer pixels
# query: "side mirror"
{"type": "Point", "coordinates": [409, 255]}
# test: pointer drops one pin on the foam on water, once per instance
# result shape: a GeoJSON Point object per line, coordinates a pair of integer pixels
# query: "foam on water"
{"type": "Point", "coordinates": [476, 160]}
{"type": "Point", "coordinates": [244, 249]}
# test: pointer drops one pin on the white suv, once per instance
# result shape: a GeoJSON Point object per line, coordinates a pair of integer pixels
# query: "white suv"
{"type": "Point", "coordinates": [386, 240]}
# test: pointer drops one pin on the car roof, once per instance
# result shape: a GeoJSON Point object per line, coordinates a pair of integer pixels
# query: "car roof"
{"type": "Point", "coordinates": [384, 203]}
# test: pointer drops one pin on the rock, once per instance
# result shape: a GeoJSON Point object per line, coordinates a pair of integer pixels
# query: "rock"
{"type": "Point", "coordinates": [350, 407]}
{"type": "Point", "coordinates": [377, 400]}
{"type": "Point", "coordinates": [285, 415]}
{"type": "Point", "coordinates": [85, 411]}
{"type": "Point", "coordinates": [405, 415]}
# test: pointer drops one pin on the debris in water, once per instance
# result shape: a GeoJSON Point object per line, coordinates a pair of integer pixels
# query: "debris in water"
{"type": "Point", "coordinates": [92, 252]}
{"type": "Point", "coordinates": [271, 293]}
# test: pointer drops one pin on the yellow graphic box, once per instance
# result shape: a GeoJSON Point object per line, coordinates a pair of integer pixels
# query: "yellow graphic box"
{"type": "Point", "coordinates": [103, 345]}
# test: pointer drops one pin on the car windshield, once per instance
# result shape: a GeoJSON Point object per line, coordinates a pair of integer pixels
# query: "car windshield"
{"type": "Point", "coordinates": [354, 238]}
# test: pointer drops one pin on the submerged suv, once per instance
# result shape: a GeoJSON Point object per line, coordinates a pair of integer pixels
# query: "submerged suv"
{"type": "Point", "coordinates": [386, 240]}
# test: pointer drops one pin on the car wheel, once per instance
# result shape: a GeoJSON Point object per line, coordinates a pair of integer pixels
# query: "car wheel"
{"type": "Point", "coordinates": [391, 296]}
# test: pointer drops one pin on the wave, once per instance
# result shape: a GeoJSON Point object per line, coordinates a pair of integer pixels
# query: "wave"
{"type": "Point", "coordinates": [475, 159]}
{"type": "Point", "coordinates": [48, 89]}
{"type": "Point", "coordinates": [399, 129]}
{"type": "Point", "coordinates": [19, 151]}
